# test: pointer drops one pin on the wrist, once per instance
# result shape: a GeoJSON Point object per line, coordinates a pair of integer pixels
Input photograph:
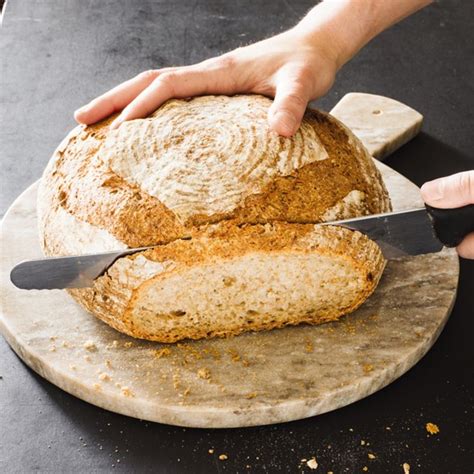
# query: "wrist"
{"type": "Point", "coordinates": [343, 27]}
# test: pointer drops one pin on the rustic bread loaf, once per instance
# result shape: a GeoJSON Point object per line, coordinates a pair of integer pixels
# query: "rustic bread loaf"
{"type": "Point", "coordinates": [232, 207]}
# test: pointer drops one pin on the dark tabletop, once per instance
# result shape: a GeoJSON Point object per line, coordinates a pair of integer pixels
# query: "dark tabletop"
{"type": "Point", "coordinates": [57, 54]}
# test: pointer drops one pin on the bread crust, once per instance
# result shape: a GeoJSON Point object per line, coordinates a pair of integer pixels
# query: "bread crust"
{"type": "Point", "coordinates": [102, 183]}
{"type": "Point", "coordinates": [226, 242]}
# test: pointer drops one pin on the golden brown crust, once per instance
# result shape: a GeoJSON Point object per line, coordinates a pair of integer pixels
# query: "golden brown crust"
{"type": "Point", "coordinates": [227, 242]}
{"type": "Point", "coordinates": [98, 193]}
{"type": "Point", "coordinates": [79, 179]}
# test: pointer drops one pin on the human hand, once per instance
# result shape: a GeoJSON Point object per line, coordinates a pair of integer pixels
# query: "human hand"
{"type": "Point", "coordinates": [285, 66]}
{"type": "Point", "coordinates": [450, 192]}
{"type": "Point", "coordinates": [294, 67]}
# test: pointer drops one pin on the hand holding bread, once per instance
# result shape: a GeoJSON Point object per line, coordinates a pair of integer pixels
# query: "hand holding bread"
{"type": "Point", "coordinates": [294, 67]}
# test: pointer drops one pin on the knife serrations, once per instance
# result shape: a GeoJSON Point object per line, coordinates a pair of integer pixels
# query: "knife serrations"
{"type": "Point", "coordinates": [398, 233]}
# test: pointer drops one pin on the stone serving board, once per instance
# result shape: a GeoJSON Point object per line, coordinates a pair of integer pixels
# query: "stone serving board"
{"type": "Point", "coordinates": [251, 379]}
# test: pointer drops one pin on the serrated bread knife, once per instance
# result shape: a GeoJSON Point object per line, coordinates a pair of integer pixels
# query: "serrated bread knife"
{"type": "Point", "coordinates": [413, 232]}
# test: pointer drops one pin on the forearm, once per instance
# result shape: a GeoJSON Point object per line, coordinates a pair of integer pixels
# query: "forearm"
{"type": "Point", "coordinates": [348, 25]}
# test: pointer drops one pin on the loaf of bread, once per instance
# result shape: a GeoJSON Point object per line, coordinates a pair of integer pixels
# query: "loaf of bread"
{"type": "Point", "coordinates": [233, 210]}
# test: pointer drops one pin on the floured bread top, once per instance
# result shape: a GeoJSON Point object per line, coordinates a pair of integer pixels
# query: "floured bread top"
{"type": "Point", "coordinates": [206, 156]}
{"type": "Point", "coordinates": [196, 162]}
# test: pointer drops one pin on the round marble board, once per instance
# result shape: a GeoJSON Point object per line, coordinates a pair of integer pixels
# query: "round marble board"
{"type": "Point", "coordinates": [252, 379]}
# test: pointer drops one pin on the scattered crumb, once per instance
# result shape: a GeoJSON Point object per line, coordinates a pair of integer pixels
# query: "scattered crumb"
{"type": "Point", "coordinates": [159, 353]}
{"type": "Point", "coordinates": [432, 428]}
{"type": "Point", "coordinates": [234, 355]}
{"type": "Point", "coordinates": [128, 344]}
{"type": "Point", "coordinates": [223, 457]}
{"type": "Point", "coordinates": [371, 456]}
{"type": "Point", "coordinates": [176, 381]}
{"type": "Point", "coordinates": [362, 442]}
{"type": "Point", "coordinates": [365, 468]}
{"type": "Point", "coordinates": [187, 391]}
{"type": "Point", "coordinates": [52, 349]}
{"type": "Point", "coordinates": [388, 428]}
{"type": "Point", "coordinates": [211, 451]}
{"type": "Point", "coordinates": [204, 373]}
{"type": "Point", "coordinates": [65, 344]}
{"type": "Point", "coordinates": [90, 346]}
{"type": "Point", "coordinates": [114, 344]}
{"type": "Point", "coordinates": [251, 395]}
{"type": "Point", "coordinates": [406, 468]}
{"type": "Point", "coordinates": [330, 472]}
{"type": "Point", "coordinates": [127, 392]}
{"type": "Point", "coordinates": [105, 377]}
{"type": "Point", "coordinates": [312, 463]}
{"type": "Point", "coordinates": [367, 368]}
{"type": "Point", "coordinates": [96, 386]}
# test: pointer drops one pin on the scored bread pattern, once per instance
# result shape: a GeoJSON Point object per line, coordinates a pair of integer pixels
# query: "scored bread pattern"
{"type": "Point", "coordinates": [206, 156]}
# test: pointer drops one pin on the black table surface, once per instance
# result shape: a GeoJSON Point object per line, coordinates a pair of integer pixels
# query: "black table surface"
{"type": "Point", "coordinates": [57, 54]}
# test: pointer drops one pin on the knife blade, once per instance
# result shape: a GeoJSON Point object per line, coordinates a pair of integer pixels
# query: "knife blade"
{"type": "Point", "coordinates": [402, 233]}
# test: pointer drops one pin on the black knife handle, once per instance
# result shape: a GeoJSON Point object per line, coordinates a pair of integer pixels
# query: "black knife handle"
{"type": "Point", "coordinates": [452, 225]}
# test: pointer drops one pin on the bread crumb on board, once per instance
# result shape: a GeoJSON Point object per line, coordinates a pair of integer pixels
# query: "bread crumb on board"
{"type": "Point", "coordinates": [367, 368]}
{"type": "Point", "coordinates": [105, 377]}
{"type": "Point", "coordinates": [312, 463]}
{"type": "Point", "coordinates": [127, 392]}
{"type": "Point", "coordinates": [204, 373]}
{"type": "Point", "coordinates": [159, 353]}
{"type": "Point", "coordinates": [90, 346]}
{"type": "Point", "coordinates": [371, 456]}
{"type": "Point", "coordinates": [211, 451]}
{"type": "Point", "coordinates": [223, 457]}
{"type": "Point", "coordinates": [365, 468]}
{"type": "Point", "coordinates": [432, 428]}
{"type": "Point", "coordinates": [406, 468]}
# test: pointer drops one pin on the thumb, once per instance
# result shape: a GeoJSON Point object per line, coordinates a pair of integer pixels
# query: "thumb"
{"type": "Point", "coordinates": [449, 192]}
{"type": "Point", "coordinates": [289, 105]}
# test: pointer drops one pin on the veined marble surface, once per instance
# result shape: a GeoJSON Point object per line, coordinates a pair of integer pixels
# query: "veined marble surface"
{"type": "Point", "coordinates": [252, 379]}
{"type": "Point", "coordinates": [381, 123]}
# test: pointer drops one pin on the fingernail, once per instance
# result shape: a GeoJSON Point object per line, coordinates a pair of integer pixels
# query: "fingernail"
{"type": "Point", "coordinates": [84, 108]}
{"type": "Point", "coordinates": [116, 123]}
{"type": "Point", "coordinates": [284, 123]}
{"type": "Point", "coordinates": [433, 190]}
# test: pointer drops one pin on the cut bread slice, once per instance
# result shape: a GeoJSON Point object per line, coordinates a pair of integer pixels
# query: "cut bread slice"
{"type": "Point", "coordinates": [228, 279]}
